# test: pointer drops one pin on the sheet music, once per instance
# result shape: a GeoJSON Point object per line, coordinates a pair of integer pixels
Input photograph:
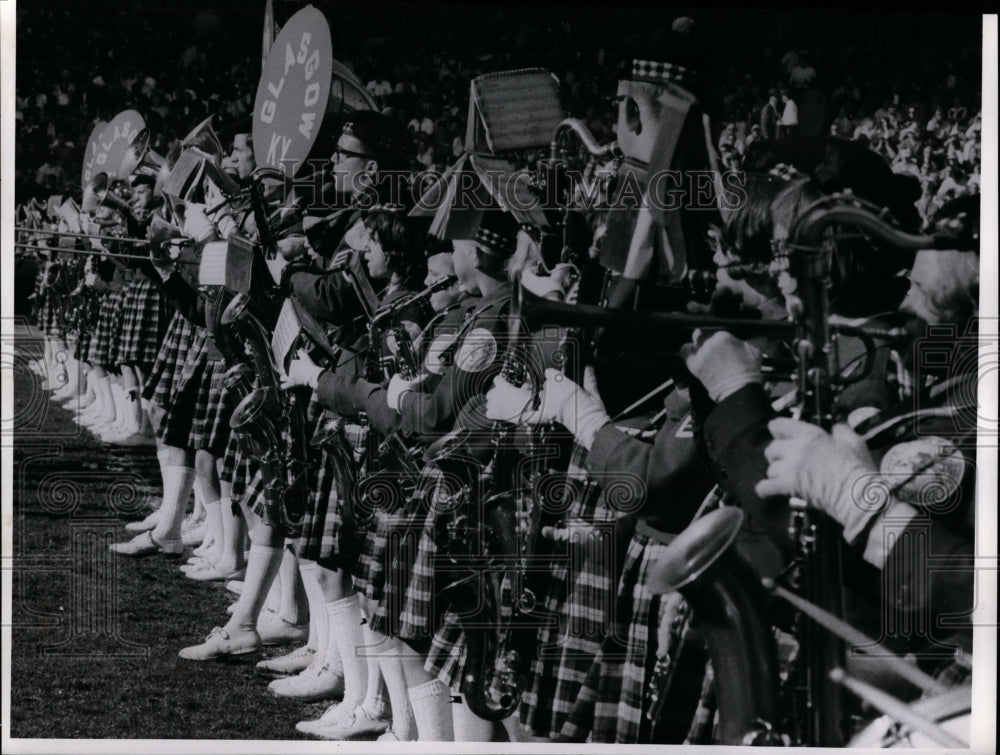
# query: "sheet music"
{"type": "Point", "coordinates": [212, 271]}
{"type": "Point", "coordinates": [239, 265]}
{"type": "Point", "coordinates": [286, 333]}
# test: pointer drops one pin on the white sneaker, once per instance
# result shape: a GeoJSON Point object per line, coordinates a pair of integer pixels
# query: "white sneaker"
{"type": "Point", "coordinates": [294, 662]}
{"type": "Point", "coordinates": [149, 523]}
{"type": "Point", "coordinates": [274, 630]}
{"type": "Point", "coordinates": [330, 716]}
{"type": "Point", "coordinates": [315, 683]}
{"type": "Point", "coordinates": [358, 723]}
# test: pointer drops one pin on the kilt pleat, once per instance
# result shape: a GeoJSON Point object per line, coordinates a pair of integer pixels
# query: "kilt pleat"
{"type": "Point", "coordinates": [404, 532]}
{"type": "Point", "coordinates": [108, 325]}
{"type": "Point", "coordinates": [184, 408]}
{"type": "Point", "coordinates": [160, 382]}
{"type": "Point", "coordinates": [581, 593]}
{"type": "Point", "coordinates": [324, 537]}
{"type": "Point", "coordinates": [51, 314]}
{"type": "Point", "coordinates": [210, 427]}
{"type": "Point", "coordinates": [144, 322]}
{"type": "Point", "coordinates": [611, 702]}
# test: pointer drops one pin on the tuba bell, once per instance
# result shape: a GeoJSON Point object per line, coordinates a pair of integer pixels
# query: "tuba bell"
{"type": "Point", "coordinates": [204, 138]}
{"type": "Point", "coordinates": [98, 193]}
{"type": "Point", "coordinates": [140, 159]}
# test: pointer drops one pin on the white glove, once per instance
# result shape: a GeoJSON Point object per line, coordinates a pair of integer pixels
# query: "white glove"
{"type": "Point", "coordinates": [293, 247]}
{"type": "Point", "coordinates": [831, 472]}
{"type": "Point", "coordinates": [724, 364]}
{"type": "Point", "coordinates": [302, 371]}
{"type": "Point", "coordinates": [197, 226]}
{"type": "Point", "coordinates": [397, 387]}
{"type": "Point", "coordinates": [565, 402]}
{"type": "Point", "coordinates": [506, 402]}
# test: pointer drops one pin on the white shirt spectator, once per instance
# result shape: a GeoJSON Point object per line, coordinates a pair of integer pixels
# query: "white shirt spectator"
{"type": "Point", "coordinates": [791, 115]}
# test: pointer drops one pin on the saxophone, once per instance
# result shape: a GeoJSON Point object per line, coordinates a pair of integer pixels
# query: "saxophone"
{"type": "Point", "coordinates": [265, 416]}
{"type": "Point", "coordinates": [483, 541]}
{"type": "Point", "coordinates": [393, 464]}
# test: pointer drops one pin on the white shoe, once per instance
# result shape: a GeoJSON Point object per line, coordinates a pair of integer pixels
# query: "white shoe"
{"type": "Point", "coordinates": [313, 684]}
{"type": "Point", "coordinates": [294, 662]}
{"type": "Point", "coordinates": [195, 535]}
{"type": "Point", "coordinates": [149, 523]}
{"type": "Point", "coordinates": [274, 630]}
{"type": "Point", "coordinates": [144, 545]}
{"type": "Point", "coordinates": [330, 716]}
{"type": "Point", "coordinates": [356, 724]}
{"type": "Point", "coordinates": [235, 586]}
{"type": "Point", "coordinates": [220, 643]}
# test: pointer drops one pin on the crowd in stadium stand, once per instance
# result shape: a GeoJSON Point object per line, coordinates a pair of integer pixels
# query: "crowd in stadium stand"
{"type": "Point", "coordinates": [177, 69]}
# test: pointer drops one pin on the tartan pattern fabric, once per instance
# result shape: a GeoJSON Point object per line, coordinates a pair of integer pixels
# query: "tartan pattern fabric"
{"type": "Point", "coordinates": [119, 337]}
{"type": "Point", "coordinates": [144, 322]}
{"type": "Point", "coordinates": [610, 706]}
{"type": "Point", "coordinates": [323, 526]}
{"type": "Point", "coordinates": [654, 69]}
{"type": "Point", "coordinates": [51, 313]}
{"type": "Point", "coordinates": [230, 460]}
{"type": "Point", "coordinates": [186, 404]}
{"type": "Point", "coordinates": [580, 596]}
{"type": "Point", "coordinates": [108, 326]}
{"type": "Point", "coordinates": [403, 568]}
{"type": "Point", "coordinates": [159, 384]}
{"type": "Point", "coordinates": [369, 575]}
{"type": "Point", "coordinates": [210, 428]}
{"type": "Point", "coordinates": [82, 347]}
{"type": "Point", "coordinates": [418, 606]}
{"type": "Point", "coordinates": [446, 658]}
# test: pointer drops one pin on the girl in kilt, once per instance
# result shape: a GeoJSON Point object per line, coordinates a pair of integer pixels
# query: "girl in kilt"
{"type": "Point", "coordinates": [349, 554]}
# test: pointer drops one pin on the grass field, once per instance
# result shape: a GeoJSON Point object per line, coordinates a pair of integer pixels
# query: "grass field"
{"type": "Point", "coordinates": [95, 638]}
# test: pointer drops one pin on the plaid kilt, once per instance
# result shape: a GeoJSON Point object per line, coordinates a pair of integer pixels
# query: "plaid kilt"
{"type": "Point", "coordinates": [51, 314]}
{"type": "Point", "coordinates": [404, 569]}
{"type": "Point", "coordinates": [184, 407]}
{"type": "Point", "coordinates": [144, 321]}
{"type": "Point", "coordinates": [230, 460]}
{"type": "Point", "coordinates": [581, 595]}
{"type": "Point", "coordinates": [82, 347]}
{"type": "Point", "coordinates": [324, 538]}
{"type": "Point", "coordinates": [392, 536]}
{"type": "Point", "coordinates": [446, 658]}
{"type": "Point", "coordinates": [210, 428]}
{"type": "Point", "coordinates": [612, 698]}
{"type": "Point", "coordinates": [159, 385]}
{"type": "Point", "coordinates": [416, 613]}
{"type": "Point", "coordinates": [108, 326]}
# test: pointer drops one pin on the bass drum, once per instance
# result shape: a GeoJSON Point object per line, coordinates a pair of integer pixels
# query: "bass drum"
{"type": "Point", "coordinates": [951, 711]}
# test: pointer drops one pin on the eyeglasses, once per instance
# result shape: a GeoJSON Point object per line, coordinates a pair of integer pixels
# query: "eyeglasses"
{"type": "Point", "coordinates": [339, 155]}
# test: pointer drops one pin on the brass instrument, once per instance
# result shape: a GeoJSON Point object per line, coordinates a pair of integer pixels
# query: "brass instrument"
{"type": "Point", "coordinates": [729, 605]}
{"type": "Point", "coordinates": [392, 467]}
{"type": "Point", "coordinates": [141, 159]}
{"type": "Point", "coordinates": [490, 535]}
{"type": "Point", "coordinates": [98, 193]}
{"type": "Point", "coordinates": [263, 417]}
{"type": "Point", "coordinates": [701, 562]}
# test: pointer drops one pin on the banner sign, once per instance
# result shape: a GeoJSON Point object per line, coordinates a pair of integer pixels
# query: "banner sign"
{"type": "Point", "coordinates": [293, 92]}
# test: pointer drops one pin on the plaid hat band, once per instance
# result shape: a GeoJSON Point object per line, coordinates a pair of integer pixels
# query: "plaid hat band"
{"type": "Point", "coordinates": [656, 70]}
{"type": "Point", "coordinates": [496, 242]}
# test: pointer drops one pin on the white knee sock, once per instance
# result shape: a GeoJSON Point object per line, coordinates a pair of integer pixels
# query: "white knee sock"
{"type": "Point", "coordinates": [403, 724]}
{"type": "Point", "coordinates": [375, 696]}
{"type": "Point", "coordinates": [345, 629]}
{"type": "Point", "coordinates": [319, 623]}
{"type": "Point", "coordinates": [262, 568]}
{"type": "Point", "coordinates": [176, 491]}
{"type": "Point", "coordinates": [468, 726]}
{"type": "Point", "coordinates": [213, 528]}
{"type": "Point", "coordinates": [432, 709]}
